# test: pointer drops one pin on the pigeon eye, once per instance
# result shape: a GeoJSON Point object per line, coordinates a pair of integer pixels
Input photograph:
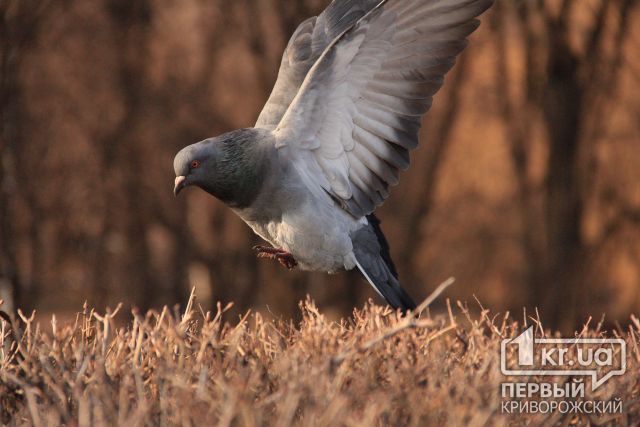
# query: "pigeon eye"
{"type": "Point", "coordinates": [195, 164]}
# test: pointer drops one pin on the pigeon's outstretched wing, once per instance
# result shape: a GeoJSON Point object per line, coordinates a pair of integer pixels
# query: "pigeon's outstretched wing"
{"type": "Point", "coordinates": [350, 127]}
{"type": "Point", "coordinates": [306, 45]}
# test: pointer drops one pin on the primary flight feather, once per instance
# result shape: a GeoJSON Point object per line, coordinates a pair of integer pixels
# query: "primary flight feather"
{"type": "Point", "coordinates": [346, 109]}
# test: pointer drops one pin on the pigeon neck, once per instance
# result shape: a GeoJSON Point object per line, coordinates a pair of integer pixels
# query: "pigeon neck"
{"type": "Point", "coordinates": [239, 191]}
{"type": "Point", "coordinates": [241, 170]}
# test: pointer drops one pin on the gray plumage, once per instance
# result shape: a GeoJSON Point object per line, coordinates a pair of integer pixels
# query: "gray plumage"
{"type": "Point", "coordinates": [346, 109]}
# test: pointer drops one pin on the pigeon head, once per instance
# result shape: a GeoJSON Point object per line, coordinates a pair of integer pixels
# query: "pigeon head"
{"type": "Point", "coordinates": [196, 165]}
{"type": "Point", "coordinates": [228, 167]}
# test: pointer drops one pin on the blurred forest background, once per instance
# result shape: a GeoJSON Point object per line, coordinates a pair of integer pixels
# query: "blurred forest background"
{"type": "Point", "coordinates": [526, 185]}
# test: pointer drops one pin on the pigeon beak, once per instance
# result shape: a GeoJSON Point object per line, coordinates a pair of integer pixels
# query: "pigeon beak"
{"type": "Point", "coordinates": [180, 183]}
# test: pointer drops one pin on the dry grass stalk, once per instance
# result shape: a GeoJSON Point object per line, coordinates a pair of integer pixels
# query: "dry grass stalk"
{"type": "Point", "coordinates": [195, 368]}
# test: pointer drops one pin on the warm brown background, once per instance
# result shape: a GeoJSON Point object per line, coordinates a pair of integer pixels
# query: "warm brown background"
{"type": "Point", "coordinates": [526, 186]}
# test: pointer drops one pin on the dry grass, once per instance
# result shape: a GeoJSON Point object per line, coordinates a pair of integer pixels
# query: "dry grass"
{"type": "Point", "coordinates": [193, 368]}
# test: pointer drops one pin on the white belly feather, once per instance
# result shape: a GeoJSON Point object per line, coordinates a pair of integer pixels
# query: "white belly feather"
{"type": "Point", "coordinates": [295, 214]}
{"type": "Point", "coordinates": [315, 233]}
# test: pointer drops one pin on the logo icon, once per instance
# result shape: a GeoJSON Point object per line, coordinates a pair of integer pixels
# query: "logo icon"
{"type": "Point", "coordinates": [599, 358]}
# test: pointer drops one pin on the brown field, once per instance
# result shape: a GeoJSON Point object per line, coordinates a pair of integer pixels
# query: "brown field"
{"type": "Point", "coordinates": [190, 367]}
{"type": "Point", "coordinates": [525, 184]}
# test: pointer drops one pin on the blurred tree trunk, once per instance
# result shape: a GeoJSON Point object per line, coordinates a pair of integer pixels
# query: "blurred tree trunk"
{"type": "Point", "coordinates": [9, 101]}
{"type": "Point", "coordinates": [131, 20]}
{"type": "Point", "coordinates": [562, 107]}
{"type": "Point", "coordinates": [21, 23]}
{"type": "Point", "coordinates": [519, 119]}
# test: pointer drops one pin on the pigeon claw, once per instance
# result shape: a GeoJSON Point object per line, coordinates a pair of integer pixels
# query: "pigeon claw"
{"type": "Point", "coordinates": [287, 261]}
{"type": "Point", "coordinates": [283, 257]}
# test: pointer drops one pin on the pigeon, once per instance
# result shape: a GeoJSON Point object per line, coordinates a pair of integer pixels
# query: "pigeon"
{"type": "Point", "coordinates": [345, 111]}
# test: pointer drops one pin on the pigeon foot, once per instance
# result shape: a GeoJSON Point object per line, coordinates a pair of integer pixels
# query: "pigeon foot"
{"type": "Point", "coordinates": [283, 257]}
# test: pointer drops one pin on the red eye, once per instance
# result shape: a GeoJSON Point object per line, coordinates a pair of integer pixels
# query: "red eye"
{"type": "Point", "coordinates": [195, 164]}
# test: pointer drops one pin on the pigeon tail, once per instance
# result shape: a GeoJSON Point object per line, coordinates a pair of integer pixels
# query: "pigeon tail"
{"type": "Point", "coordinates": [388, 288]}
{"type": "Point", "coordinates": [373, 259]}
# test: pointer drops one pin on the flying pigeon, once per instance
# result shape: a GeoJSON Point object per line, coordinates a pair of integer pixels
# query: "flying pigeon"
{"type": "Point", "coordinates": [346, 109]}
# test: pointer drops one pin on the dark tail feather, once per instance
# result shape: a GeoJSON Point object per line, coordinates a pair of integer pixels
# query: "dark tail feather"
{"type": "Point", "coordinates": [374, 261]}
{"type": "Point", "coordinates": [380, 277]}
{"type": "Point", "coordinates": [385, 250]}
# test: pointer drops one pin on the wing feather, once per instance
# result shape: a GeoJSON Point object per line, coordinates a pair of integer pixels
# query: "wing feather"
{"type": "Point", "coordinates": [394, 104]}
{"type": "Point", "coordinates": [358, 111]}
{"type": "Point", "coordinates": [397, 157]}
{"type": "Point", "coordinates": [307, 43]}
